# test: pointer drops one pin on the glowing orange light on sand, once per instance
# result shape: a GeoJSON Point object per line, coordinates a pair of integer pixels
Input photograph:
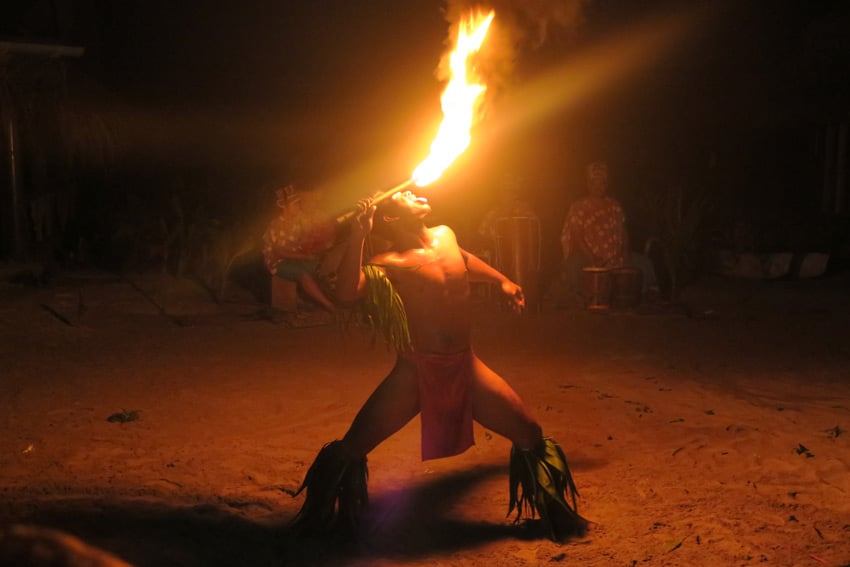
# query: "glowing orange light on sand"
{"type": "Point", "coordinates": [460, 101]}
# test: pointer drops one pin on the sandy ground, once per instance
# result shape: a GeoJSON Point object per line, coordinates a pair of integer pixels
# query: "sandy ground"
{"type": "Point", "coordinates": [713, 433]}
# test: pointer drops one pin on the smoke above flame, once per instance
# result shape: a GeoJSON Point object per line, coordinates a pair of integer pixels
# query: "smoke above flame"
{"type": "Point", "coordinates": [472, 77]}
{"type": "Point", "coordinates": [521, 25]}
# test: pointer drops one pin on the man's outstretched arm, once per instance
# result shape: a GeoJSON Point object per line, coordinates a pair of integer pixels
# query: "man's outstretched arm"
{"type": "Point", "coordinates": [481, 271]}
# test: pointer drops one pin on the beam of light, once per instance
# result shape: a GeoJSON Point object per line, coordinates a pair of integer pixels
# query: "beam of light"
{"type": "Point", "coordinates": [460, 101]}
{"type": "Point", "coordinates": [595, 71]}
{"type": "Point", "coordinates": [578, 79]}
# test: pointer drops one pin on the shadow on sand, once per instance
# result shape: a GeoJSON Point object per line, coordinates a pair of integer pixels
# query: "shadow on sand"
{"type": "Point", "coordinates": [407, 523]}
{"type": "Point", "coordinates": [413, 523]}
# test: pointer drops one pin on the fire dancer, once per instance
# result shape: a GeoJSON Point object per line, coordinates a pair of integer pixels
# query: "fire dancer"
{"type": "Point", "coordinates": [426, 274]}
{"type": "Point", "coordinates": [295, 240]}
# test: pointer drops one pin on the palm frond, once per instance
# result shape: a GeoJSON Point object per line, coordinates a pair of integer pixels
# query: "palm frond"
{"type": "Point", "coordinates": [540, 483]}
{"type": "Point", "coordinates": [337, 493]}
{"type": "Point", "coordinates": [382, 310]}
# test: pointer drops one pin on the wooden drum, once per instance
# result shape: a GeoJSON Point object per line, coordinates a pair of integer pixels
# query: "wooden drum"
{"type": "Point", "coordinates": [596, 286]}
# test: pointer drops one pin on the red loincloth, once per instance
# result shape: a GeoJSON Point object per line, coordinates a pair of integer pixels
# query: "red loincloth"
{"type": "Point", "coordinates": [445, 403]}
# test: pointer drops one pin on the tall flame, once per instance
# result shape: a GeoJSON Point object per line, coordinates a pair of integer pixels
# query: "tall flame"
{"type": "Point", "coordinates": [460, 101]}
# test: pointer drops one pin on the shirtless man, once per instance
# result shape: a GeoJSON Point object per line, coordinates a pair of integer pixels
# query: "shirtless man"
{"type": "Point", "coordinates": [439, 377]}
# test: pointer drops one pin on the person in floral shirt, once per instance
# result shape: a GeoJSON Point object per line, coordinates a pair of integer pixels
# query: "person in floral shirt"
{"type": "Point", "coordinates": [295, 240]}
{"type": "Point", "coordinates": [594, 232]}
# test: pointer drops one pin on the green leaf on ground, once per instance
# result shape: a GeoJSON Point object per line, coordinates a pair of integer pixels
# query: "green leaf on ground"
{"type": "Point", "coordinates": [834, 432]}
{"type": "Point", "coordinates": [803, 450]}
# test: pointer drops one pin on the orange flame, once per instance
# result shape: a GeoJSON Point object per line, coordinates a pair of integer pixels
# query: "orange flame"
{"type": "Point", "coordinates": [460, 101]}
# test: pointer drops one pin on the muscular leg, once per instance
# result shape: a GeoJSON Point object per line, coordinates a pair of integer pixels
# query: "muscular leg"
{"type": "Point", "coordinates": [393, 403]}
{"type": "Point", "coordinates": [496, 406]}
{"type": "Point", "coordinates": [311, 286]}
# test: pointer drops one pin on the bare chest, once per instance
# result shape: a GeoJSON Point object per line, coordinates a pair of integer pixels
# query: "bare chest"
{"type": "Point", "coordinates": [433, 273]}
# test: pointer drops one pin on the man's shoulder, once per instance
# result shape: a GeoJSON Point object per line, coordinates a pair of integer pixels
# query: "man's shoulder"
{"type": "Point", "coordinates": [613, 202]}
{"type": "Point", "coordinates": [579, 205]}
{"type": "Point", "coordinates": [282, 222]}
{"type": "Point", "coordinates": [441, 230]}
{"type": "Point", "coordinates": [272, 229]}
{"type": "Point", "coordinates": [606, 201]}
{"type": "Point", "coordinates": [386, 260]}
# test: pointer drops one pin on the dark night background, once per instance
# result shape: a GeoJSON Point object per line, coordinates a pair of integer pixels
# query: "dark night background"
{"type": "Point", "coordinates": [217, 103]}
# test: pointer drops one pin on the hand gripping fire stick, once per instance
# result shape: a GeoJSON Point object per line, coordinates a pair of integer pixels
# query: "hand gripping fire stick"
{"type": "Point", "coordinates": [377, 199]}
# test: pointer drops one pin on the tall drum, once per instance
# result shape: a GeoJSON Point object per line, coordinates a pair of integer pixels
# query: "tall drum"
{"type": "Point", "coordinates": [596, 286]}
{"type": "Point", "coordinates": [518, 241]}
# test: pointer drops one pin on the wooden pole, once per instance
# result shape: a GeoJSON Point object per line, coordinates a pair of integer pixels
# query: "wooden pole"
{"type": "Point", "coordinates": [377, 199]}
